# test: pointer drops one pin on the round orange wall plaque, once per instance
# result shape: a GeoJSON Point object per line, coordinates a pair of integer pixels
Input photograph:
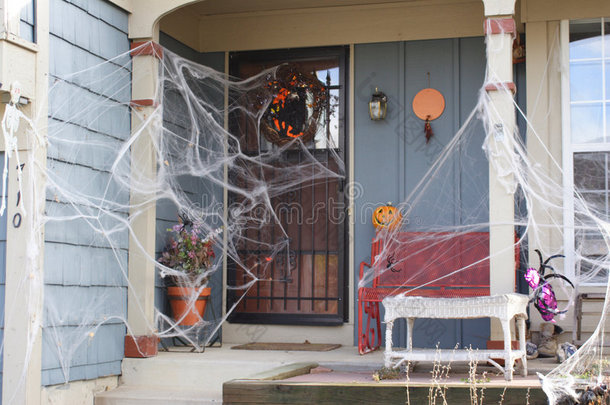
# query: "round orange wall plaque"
{"type": "Point", "coordinates": [428, 104]}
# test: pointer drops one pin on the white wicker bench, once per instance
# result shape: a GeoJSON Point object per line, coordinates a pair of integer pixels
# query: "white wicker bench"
{"type": "Point", "coordinates": [503, 307]}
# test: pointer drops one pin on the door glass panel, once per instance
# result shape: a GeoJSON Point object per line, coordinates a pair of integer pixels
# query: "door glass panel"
{"type": "Point", "coordinates": [329, 137]}
{"type": "Point", "coordinates": [298, 254]}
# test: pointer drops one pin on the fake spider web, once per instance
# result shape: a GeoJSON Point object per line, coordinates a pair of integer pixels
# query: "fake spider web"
{"type": "Point", "coordinates": [456, 235]}
{"type": "Point", "coordinates": [97, 189]}
{"type": "Point", "coordinates": [198, 161]}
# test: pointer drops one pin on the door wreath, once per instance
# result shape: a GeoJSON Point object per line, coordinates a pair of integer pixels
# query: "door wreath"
{"type": "Point", "coordinates": [297, 100]}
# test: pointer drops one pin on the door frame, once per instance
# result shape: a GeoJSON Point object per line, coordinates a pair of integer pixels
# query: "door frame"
{"type": "Point", "coordinates": [342, 316]}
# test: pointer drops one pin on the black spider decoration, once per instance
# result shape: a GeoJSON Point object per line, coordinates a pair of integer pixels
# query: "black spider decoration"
{"type": "Point", "coordinates": [185, 220]}
{"type": "Point", "coordinates": [390, 264]}
{"type": "Point", "coordinates": [543, 296]}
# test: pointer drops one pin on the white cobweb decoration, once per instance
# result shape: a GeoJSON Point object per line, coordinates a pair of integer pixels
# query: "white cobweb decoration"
{"type": "Point", "coordinates": [95, 192]}
{"type": "Point", "coordinates": [106, 171]}
{"type": "Point", "coordinates": [536, 179]}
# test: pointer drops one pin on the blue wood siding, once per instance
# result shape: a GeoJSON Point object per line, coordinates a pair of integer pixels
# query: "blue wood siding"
{"type": "Point", "coordinates": [198, 190]}
{"type": "Point", "coordinates": [27, 21]}
{"type": "Point", "coordinates": [85, 284]}
{"type": "Point", "coordinates": [391, 156]}
{"type": "Point", "coordinates": [2, 283]}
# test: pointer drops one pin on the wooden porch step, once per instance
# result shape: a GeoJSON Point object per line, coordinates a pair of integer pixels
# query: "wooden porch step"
{"type": "Point", "coordinates": [283, 392]}
{"type": "Point", "coordinates": [141, 395]}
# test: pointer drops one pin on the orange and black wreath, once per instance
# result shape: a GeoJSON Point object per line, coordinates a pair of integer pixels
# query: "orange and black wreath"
{"type": "Point", "coordinates": [297, 101]}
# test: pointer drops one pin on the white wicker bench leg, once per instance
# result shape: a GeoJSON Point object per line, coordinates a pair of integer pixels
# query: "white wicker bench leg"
{"type": "Point", "coordinates": [508, 360]}
{"type": "Point", "coordinates": [522, 347]}
{"type": "Point", "coordinates": [388, 343]}
{"type": "Point", "coordinates": [410, 322]}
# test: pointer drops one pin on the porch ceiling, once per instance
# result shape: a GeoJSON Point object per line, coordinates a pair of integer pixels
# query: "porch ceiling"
{"type": "Point", "coordinates": [218, 7]}
{"type": "Point", "coordinates": [240, 25]}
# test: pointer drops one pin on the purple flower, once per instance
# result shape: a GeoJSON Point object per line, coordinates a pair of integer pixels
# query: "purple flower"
{"type": "Point", "coordinates": [187, 251]}
{"type": "Point", "coordinates": [532, 277]}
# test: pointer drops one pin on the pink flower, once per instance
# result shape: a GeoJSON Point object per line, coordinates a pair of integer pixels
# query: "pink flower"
{"type": "Point", "coordinates": [191, 254]}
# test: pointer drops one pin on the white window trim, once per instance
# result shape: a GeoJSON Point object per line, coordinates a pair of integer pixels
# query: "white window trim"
{"type": "Point", "coordinates": [568, 150]}
{"type": "Point", "coordinates": [568, 158]}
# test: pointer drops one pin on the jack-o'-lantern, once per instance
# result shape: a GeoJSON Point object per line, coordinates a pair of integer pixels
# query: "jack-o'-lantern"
{"type": "Point", "coordinates": [386, 216]}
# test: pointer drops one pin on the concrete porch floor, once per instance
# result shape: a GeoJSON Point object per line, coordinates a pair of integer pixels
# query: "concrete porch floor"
{"type": "Point", "coordinates": [181, 377]}
{"type": "Point", "coordinates": [197, 378]}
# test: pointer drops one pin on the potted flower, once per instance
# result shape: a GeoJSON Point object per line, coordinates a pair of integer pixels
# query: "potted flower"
{"type": "Point", "coordinates": [188, 258]}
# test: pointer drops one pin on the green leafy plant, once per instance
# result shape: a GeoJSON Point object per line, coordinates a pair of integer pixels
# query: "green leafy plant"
{"type": "Point", "coordinates": [593, 370]}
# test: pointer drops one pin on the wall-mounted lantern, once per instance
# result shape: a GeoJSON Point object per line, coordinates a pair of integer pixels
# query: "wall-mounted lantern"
{"type": "Point", "coordinates": [378, 106]}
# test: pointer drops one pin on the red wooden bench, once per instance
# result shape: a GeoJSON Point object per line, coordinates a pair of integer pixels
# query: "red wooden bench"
{"type": "Point", "coordinates": [420, 264]}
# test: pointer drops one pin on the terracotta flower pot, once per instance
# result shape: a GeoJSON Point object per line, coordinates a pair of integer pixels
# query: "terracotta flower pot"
{"type": "Point", "coordinates": [179, 300]}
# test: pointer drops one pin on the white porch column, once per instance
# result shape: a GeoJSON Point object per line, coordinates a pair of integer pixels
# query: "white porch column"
{"type": "Point", "coordinates": [22, 345]}
{"type": "Point", "coordinates": [500, 30]}
{"type": "Point", "coordinates": [145, 119]}
{"type": "Point", "coordinates": [144, 27]}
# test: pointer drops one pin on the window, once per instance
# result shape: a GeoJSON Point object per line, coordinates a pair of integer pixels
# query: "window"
{"type": "Point", "coordinates": [587, 148]}
{"type": "Point", "coordinates": [27, 21]}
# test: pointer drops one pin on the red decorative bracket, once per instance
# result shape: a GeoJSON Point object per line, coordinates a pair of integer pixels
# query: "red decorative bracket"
{"type": "Point", "coordinates": [141, 346]}
{"type": "Point", "coordinates": [148, 48]}
{"type": "Point", "coordinates": [497, 86]}
{"type": "Point", "coordinates": [146, 102]}
{"type": "Point", "coordinates": [499, 26]}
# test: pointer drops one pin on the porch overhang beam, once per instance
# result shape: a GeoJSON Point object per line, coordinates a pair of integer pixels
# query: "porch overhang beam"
{"type": "Point", "coordinates": [499, 7]}
{"type": "Point", "coordinates": [145, 16]}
